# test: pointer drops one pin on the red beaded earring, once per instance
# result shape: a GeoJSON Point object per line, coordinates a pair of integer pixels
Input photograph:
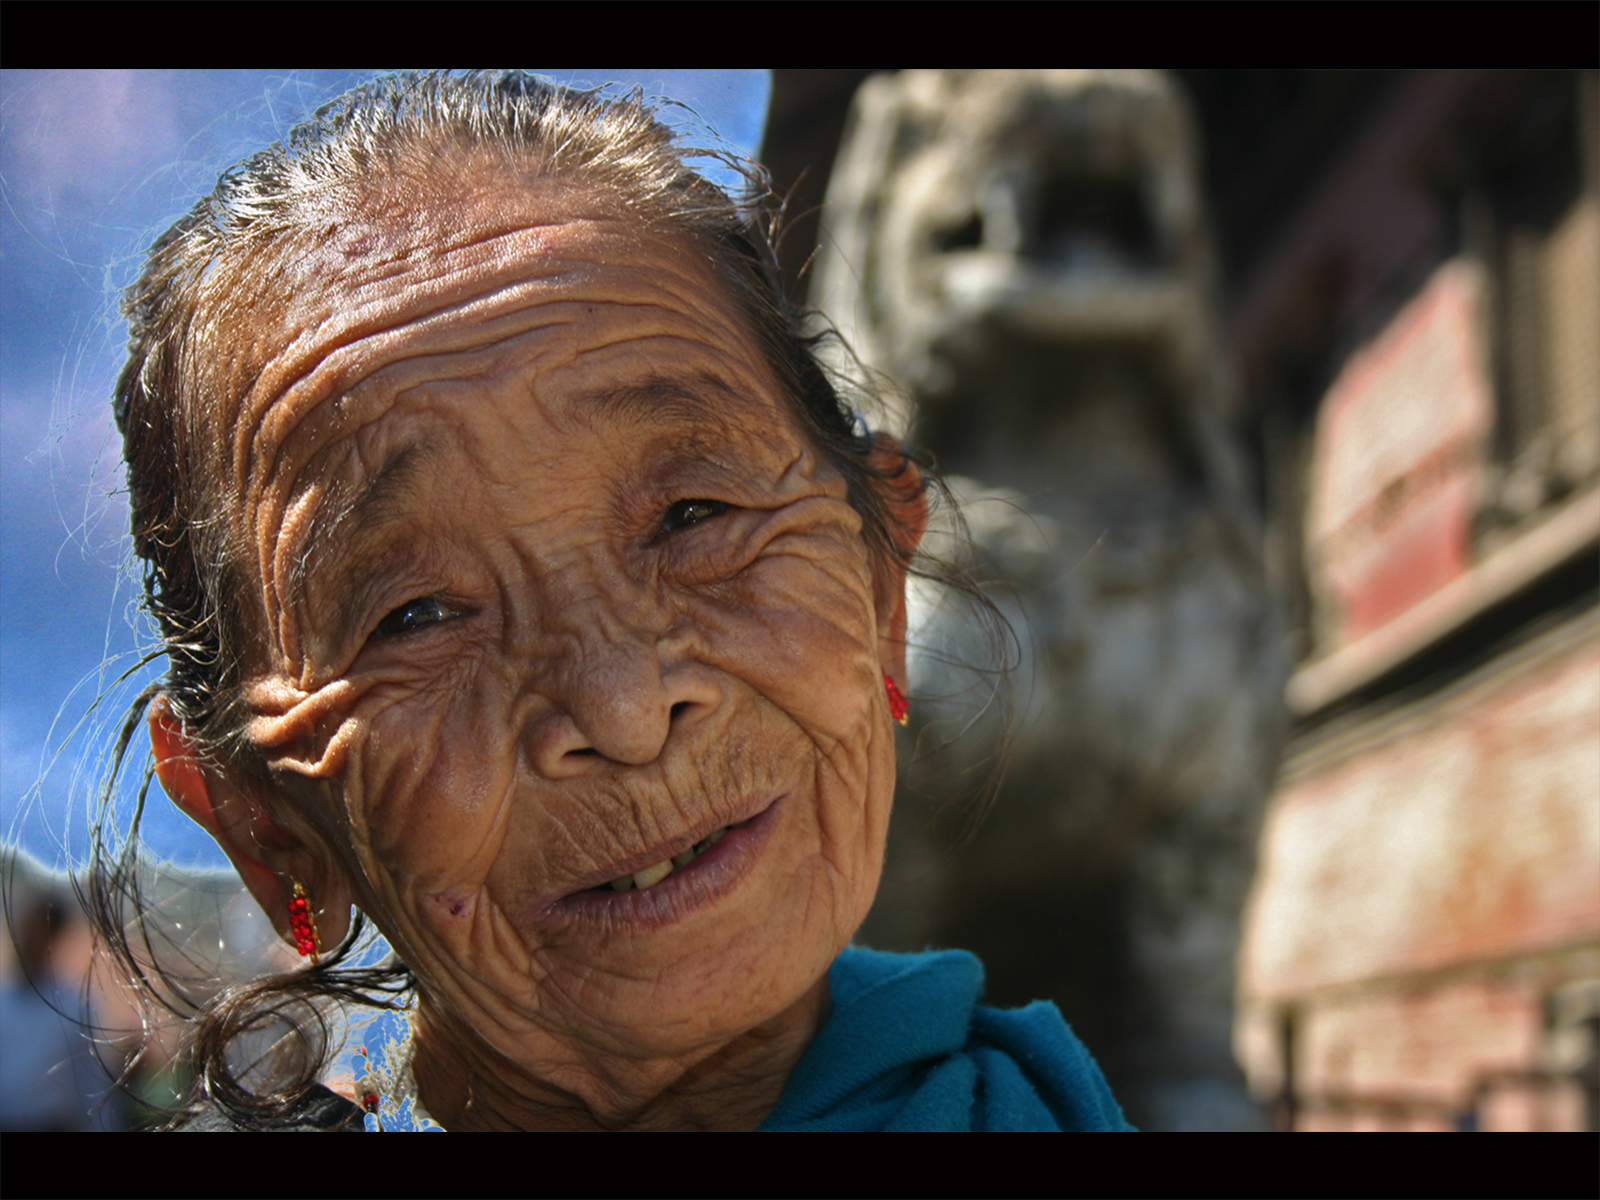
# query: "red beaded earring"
{"type": "Point", "coordinates": [899, 706]}
{"type": "Point", "coordinates": [367, 1089]}
{"type": "Point", "coordinates": [304, 926]}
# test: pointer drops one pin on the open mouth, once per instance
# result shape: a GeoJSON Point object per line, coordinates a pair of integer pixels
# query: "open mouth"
{"type": "Point", "coordinates": [668, 889]}
{"type": "Point", "coordinates": [653, 875]}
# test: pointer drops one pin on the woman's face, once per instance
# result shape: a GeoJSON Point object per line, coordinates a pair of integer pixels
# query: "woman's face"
{"type": "Point", "coordinates": [556, 592]}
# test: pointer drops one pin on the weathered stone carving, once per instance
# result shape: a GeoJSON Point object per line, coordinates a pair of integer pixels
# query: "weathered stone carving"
{"type": "Point", "coordinates": [1024, 254]}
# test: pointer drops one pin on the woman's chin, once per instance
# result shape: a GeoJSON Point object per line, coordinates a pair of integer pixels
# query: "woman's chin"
{"type": "Point", "coordinates": [745, 934]}
{"type": "Point", "coordinates": [697, 1010]}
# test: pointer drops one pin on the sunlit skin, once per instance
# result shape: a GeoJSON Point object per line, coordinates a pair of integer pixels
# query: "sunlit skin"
{"type": "Point", "coordinates": [552, 587]}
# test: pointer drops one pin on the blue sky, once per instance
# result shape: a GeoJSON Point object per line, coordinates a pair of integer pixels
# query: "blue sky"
{"type": "Point", "coordinates": [93, 165]}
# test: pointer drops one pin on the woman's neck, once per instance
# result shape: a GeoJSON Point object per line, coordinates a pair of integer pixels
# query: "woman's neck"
{"type": "Point", "coordinates": [465, 1084]}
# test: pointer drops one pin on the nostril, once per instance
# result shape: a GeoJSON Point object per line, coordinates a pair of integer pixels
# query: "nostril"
{"type": "Point", "coordinates": [680, 707]}
{"type": "Point", "coordinates": [587, 750]}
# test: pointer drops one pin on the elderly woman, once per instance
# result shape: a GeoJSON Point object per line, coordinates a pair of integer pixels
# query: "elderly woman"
{"type": "Point", "coordinates": [527, 588]}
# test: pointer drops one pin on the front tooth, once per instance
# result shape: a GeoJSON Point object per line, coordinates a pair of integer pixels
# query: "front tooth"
{"type": "Point", "coordinates": [715, 838]}
{"type": "Point", "coordinates": [623, 884]}
{"type": "Point", "coordinates": [651, 876]}
{"type": "Point", "coordinates": [683, 860]}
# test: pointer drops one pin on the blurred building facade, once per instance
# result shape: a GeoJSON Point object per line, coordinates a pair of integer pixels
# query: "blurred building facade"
{"type": "Point", "coordinates": [1400, 275]}
{"type": "Point", "coordinates": [1422, 947]}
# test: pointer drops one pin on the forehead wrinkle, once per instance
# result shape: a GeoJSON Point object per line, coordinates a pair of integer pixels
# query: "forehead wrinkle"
{"type": "Point", "coordinates": [700, 399]}
{"type": "Point", "coordinates": [347, 317]}
{"type": "Point", "coordinates": [323, 381]}
{"type": "Point", "coordinates": [310, 382]}
{"type": "Point", "coordinates": [363, 280]}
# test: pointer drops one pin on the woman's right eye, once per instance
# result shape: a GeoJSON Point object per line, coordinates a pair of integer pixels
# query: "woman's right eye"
{"type": "Point", "coordinates": [690, 512]}
{"type": "Point", "coordinates": [415, 614]}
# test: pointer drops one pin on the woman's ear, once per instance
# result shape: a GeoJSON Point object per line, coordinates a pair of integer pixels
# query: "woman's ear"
{"type": "Point", "coordinates": [905, 496]}
{"type": "Point", "coordinates": [270, 858]}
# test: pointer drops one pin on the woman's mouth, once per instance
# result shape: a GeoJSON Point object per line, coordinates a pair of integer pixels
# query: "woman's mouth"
{"type": "Point", "coordinates": [651, 876]}
{"type": "Point", "coordinates": [667, 890]}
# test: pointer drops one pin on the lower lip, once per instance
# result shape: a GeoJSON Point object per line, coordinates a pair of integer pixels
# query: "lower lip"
{"type": "Point", "coordinates": [708, 879]}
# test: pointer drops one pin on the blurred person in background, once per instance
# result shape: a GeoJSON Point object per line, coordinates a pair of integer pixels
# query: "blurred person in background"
{"type": "Point", "coordinates": [50, 1078]}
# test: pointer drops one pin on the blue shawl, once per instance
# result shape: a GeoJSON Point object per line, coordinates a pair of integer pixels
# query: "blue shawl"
{"type": "Point", "coordinates": [907, 1046]}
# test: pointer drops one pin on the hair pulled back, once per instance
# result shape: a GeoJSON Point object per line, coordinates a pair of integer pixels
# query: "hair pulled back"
{"type": "Point", "coordinates": [188, 372]}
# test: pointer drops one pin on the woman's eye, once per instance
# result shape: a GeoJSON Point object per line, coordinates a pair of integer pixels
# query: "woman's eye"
{"type": "Point", "coordinates": [691, 512]}
{"type": "Point", "coordinates": [415, 614]}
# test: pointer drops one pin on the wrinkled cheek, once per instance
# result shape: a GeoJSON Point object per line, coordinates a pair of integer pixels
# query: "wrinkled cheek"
{"type": "Point", "coordinates": [829, 691]}
{"type": "Point", "coordinates": [814, 656]}
{"type": "Point", "coordinates": [823, 671]}
{"type": "Point", "coordinates": [451, 906]}
{"type": "Point", "coordinates": [430, 799]}
{"type": "Point", "coordinates": [856, 780]}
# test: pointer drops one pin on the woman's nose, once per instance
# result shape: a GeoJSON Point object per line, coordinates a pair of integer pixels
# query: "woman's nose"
{"type": "Point", "coordinates": [622, 706]}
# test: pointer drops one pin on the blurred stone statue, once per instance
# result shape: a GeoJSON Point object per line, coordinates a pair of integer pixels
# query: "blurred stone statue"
{"type": "Point", "coordinates": [1023, 255]}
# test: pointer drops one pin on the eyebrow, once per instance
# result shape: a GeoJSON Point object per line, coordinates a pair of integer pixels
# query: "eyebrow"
{"type": "Point", "coordinates": [663, 399]}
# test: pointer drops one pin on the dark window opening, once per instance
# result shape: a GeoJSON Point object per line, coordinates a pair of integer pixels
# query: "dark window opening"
{"type": "Point", "coordinates": [967, 237]}
{"type": "Point", "coordinates": [1523, 180]}
{"type": "Point", "coordinates": [1094, 222]}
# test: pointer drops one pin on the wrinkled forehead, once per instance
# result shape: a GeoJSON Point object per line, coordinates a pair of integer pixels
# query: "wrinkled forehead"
{"type": "Point", "coordinates": [407, 288]}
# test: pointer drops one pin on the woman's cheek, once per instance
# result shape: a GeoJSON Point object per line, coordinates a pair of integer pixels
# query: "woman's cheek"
{"type": "Point", "coordinates": [801, 634]}
{"type": "Point", "coordinates": [429, 783]}
{"type": "Point", "coordinates": [815, 574]}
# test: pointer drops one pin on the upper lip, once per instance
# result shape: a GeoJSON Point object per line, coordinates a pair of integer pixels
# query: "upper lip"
{"type": "Point", "coordinates": [747, 809]}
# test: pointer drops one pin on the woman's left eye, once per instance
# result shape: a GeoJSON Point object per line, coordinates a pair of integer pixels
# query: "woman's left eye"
{"type": "Point", "coordinates": [415, 614]}
{"type": "Point", "coordinates": [691, 512]}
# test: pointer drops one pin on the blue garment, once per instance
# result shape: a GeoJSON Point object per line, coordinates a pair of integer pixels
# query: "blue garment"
{"type": "Point", "coordinates": [907, 1047]}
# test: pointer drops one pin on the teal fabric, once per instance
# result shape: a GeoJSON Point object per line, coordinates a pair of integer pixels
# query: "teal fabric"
{"type": "Point", "coordinates": [907, 1047]}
